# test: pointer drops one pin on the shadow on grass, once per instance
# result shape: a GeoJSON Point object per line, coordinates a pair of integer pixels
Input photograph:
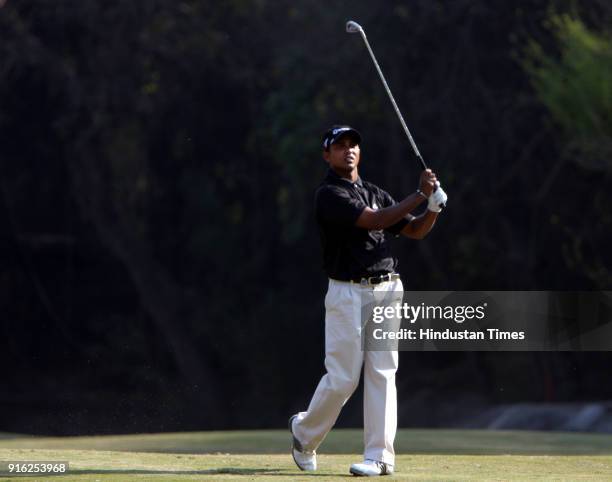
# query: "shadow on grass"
{"type": "Point", "coordinates": [219, 471]}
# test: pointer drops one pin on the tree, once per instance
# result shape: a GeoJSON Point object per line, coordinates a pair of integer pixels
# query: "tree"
{"type": "Point", "coordinates": [574, 83]}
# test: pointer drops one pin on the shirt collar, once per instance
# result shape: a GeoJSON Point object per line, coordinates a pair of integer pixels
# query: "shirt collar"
{"type": "Point", "coordinates": [333, 176]}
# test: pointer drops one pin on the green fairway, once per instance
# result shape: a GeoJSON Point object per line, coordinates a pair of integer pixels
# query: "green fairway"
{"type": "Point", "coordinates": [422, 455]}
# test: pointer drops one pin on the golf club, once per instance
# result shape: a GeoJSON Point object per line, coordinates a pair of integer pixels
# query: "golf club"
{"type": "Point", "coordinates": [354, 27]}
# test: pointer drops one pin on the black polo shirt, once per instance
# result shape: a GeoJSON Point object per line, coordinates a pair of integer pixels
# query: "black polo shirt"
{"type": "Point", "coordinates": [350, 252]}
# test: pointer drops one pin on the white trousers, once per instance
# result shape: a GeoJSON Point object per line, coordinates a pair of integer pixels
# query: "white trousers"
{"type": "Point", "coordinates": [344, 358]}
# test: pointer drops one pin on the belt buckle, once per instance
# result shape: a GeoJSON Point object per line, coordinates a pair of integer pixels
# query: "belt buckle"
{"type": "Point", "coordinates": [383, 277]}
{"type": "Point", "coordinates": [375, 280]}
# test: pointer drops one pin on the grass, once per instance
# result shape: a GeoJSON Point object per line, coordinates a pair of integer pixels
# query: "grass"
{"type": "Point", "coordinates": [263, 455]}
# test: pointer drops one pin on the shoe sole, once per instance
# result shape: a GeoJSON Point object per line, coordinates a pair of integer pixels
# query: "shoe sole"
{"type": "Point", "coordinates": [361, 474]}
{"type": "Point", "coordinates": [295, 443]}
{"type": "Point", "coordinates": [357, 473]}
{"type": "Point", "coordinates": [296, 462]}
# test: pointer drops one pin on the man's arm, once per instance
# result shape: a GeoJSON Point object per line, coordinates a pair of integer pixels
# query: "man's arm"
{"type": "Point", "coordinates": [383, 218]}
{"type": "Point", "coordinates": [420, 226]}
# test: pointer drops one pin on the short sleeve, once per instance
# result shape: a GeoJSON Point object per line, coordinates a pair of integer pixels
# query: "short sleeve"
{"type": "Point", "coordinates": [386, 200]}
{"type": "Point", "coordinates": [335, 205]}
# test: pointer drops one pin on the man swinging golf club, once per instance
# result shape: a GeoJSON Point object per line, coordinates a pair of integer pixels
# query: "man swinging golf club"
{"type": "Point", "coordinates": [353, 216]}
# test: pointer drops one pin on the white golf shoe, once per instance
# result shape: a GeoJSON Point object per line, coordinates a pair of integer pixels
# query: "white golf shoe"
{"type": "Point", "coordinates": [371, 468]}
{"type": "Point", "coordinates": [304, 459]}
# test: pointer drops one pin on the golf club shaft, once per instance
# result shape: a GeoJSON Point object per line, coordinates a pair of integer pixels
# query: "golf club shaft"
{"type": "Point", "coordinates": [397, 111]}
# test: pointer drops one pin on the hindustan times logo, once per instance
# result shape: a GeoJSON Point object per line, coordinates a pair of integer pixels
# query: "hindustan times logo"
{"type": "Point", "coordinates": [412, 313]}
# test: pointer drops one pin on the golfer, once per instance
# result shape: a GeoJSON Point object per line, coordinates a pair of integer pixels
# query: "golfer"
{"type": "Point", "coordinates": [353, 216]}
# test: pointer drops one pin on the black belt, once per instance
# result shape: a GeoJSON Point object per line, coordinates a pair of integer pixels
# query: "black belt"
{"type": "Point", "coordinates": [375, 280]}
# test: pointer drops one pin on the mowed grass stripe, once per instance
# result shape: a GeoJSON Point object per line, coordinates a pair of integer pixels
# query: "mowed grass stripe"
{"type": "Point", "coordinates": [348, 441]}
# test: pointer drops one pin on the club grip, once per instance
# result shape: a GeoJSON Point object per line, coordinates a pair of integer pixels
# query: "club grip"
{"type": "Point", "coordinates": [422, 161]}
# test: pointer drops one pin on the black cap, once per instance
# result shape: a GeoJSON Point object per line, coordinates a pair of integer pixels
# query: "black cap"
{"type": "Point", "coordinates": [336, 132]}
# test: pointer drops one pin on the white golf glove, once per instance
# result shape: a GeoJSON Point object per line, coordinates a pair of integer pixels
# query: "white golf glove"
{"type": "Point", "coordinates": [437, 200]}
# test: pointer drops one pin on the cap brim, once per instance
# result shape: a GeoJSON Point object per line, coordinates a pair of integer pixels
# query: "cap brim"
{"type": "Point", "coordinates": [350, 133]}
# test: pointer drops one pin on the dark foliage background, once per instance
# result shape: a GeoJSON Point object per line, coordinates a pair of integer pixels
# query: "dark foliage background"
{"type": "Point", "coordinates": [160, 264]}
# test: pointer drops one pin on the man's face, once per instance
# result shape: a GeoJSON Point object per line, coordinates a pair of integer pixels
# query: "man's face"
{"type": "Point", "coordinates": [343, 155]}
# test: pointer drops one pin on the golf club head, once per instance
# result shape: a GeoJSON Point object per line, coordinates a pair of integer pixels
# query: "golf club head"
{"type": "Point", "coordinates": [353, 27]}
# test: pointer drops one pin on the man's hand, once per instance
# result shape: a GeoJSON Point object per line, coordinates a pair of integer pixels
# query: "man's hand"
{"type": "Point", "coordinates": [427, 182]}
{"type": "Point", "coordinates": [437, 199]}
